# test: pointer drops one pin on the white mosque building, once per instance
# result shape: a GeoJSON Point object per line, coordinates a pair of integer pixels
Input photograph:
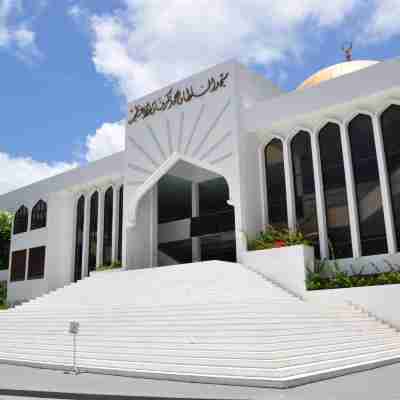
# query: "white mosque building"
{"type": "Point", "coordinates": [209, 162]}
{"type": "Point", "coordinates": [213, 159]}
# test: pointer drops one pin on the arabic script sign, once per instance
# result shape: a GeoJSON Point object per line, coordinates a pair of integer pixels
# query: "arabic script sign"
{"type": "Point", "coordinates": [176, 97]}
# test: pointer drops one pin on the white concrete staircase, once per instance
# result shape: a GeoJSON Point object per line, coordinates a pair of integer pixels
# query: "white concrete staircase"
{"type": "Point", "coordinates": [206, 322]}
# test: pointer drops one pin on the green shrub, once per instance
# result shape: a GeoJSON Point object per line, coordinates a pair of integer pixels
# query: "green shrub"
{"type": "Point", "coordinates": [327, 275]}
{"type": "Point", "coordinates": [273, 237]}
{"type": "Point", "coordinates": [114, 265]}
{"type": "Point", "coordinates": [3, 293]}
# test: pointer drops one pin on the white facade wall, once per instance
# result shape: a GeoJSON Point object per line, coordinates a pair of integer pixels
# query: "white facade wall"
{"type": "Point", "coordinates": [60, 194]}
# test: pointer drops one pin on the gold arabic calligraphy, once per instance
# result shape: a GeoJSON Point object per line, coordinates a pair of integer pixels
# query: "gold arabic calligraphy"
{"type": "Point", "coordinates": [175, 97]}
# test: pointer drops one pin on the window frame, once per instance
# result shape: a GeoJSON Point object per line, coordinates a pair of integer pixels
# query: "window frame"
{"type": "Point", "coordinates": [31, 257]}
{"type": "Point", "coordinates": [39, 215]}
{"type": "Point", "coordinates": [21, 220]}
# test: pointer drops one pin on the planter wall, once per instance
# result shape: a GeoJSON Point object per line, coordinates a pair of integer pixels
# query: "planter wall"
{"type": "Point", "coordinates": [284, 265]}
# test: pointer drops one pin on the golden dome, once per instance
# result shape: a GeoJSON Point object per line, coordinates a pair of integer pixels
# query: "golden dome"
{"type": "Point", "coordinates": [335, 71]}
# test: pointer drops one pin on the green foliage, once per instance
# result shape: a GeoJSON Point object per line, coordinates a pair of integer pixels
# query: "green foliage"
{"type": "Point", "coordinates": [3, 294]}
{"type": "Point", "coordinates": [5, 236]}
{"type": "Point", "coordinates": [5, 225]}
{"type": "Point", "coordinates": [114, 265]}
{"type": "Point", "coordinates": [327, 275]}
{"type": "Point", "coordinates": [273, 237]}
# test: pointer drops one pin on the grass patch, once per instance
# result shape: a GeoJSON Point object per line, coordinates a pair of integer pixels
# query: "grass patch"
{"type": "Point", "coordinates": [114, 265]}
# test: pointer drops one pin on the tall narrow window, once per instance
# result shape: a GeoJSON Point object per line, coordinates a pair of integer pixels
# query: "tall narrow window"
{"type": "Point", "coordinates": [120, 217]}
{"type": "Point", "coordinates": [37, 256]}
{"type": "Point", "coordinates": [94, 211]}
{"type": "Point", "coordinates": [337, 212]}
{"type": "Point", "coordinates": [390, 122]}
{"type": "Point", "coordinates": [21, 220]}
{"type": "Point", "coordinates": [368, 190]}
{"type": "Point", "coordinates": [303, 172]}
{"type": "Point", "coordinates": [276, 187]}
{"type": "Point", "coordinates": [80, 219]}
{"type": "Point", "coordinates": [18, 265]}
{"type": "Point", "coordinates": [4, 252]}
{"type": "Point", "coordinates": [39, 215]}
{"type": "Point", "coordinates": [108, 222]}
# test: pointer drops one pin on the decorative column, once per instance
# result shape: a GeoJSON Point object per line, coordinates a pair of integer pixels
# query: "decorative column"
{"type": "Point", "coordinates": [385, 186]}
{"type": "Point", "coordinates": [100, 229]}
{"type": "Point", "coordinates": [29, 217]}
{"type": "Point", "coordinates": [290, 194]}
{"type": "Point", "coordinates": [351, 192]}
{"type": "Point", "coordinates": [154, 226]}
{"type": "Point", "coordinates": [85, 242]}
{"type": "Point", "coordinates": [196, 246]}
{"type": "Point", "coordinates": [319, 197]}
{"type": "Point", "coordinates": [115, 224]}
{"type": "Point", "coordinates": [10, 251]}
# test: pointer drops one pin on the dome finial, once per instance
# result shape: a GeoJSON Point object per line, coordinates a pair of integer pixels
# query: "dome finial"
{"type": "Point", "coordinates": [348, 50]}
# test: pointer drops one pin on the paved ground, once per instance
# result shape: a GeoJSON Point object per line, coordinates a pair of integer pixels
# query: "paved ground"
{"type": "Point", "coordinates": [19, 383]}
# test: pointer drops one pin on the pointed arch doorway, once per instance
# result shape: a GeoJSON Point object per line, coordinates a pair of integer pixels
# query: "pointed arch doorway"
{"type": "Point", "coordinates": [185, 215]}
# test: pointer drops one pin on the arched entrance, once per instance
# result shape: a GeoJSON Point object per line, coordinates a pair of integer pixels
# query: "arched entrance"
{"type": "Point", "coordinates": [184, 216]}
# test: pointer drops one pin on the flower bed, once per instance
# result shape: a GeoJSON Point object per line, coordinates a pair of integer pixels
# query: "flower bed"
{"type": "Point", "coordinates": [273, 237]}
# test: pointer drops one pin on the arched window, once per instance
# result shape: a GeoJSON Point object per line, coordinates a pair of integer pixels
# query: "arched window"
{"type": "Point", "coordinates": [333, 177]}
{"type": "Point", "coordinates": [21, 220]}
{"type": "Point", "coordinates": [120, 217]}
{"type": "Point", "coordinates": [275, 180]}
{"type": "Point", "coordinates": [390, 122]}
{"type": "Point", "coordinates": [368, 190]}
{"type": "Point", "coordinates": [108, 223]}
{"type": "Point", "coordinates": [80, 219]}
{"type": "Point", "coordinates": [303, 172]}
{"type": "Point", "coordinates": [39, 215]}
{"type": "Point", "coordinates": [94, 211]}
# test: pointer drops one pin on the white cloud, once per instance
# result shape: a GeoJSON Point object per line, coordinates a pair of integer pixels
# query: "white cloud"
{"type": "Point", "coordinates": [20, 171]}
{"type": "Point", "coordinates": [15, 32]}
{"type": "Point", "coordinates": [384, 22]}
{"type": "Point", "coordinates": [75, 11]}
{"type": "Point", "coordinates": [17, 172]}
{"type": "Point", "coordinates": [108, 139]}
{"type": "Point", "coordinates": [153, 42]}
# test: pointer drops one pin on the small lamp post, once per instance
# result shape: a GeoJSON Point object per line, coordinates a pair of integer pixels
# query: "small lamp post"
{"type": "Point", "coordinates": [74, 330]}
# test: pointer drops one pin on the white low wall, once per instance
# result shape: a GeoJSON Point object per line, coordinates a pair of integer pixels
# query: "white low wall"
{"type": "Point", "coordinates": [288, 266]}
{"type": "Point", "coordinates": [382, 301]}
{"type": "Point", "coordinates": [369, 264]}
{"type": "Point", "coordinates": [26, 290]}
{"type": "Point", "coordinates": [284, 265]}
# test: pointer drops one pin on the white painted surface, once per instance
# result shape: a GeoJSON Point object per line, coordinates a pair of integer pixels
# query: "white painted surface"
{"type": "Point", "coordinates": [26, 290]}
{"type": "Point", "coordinates": [284, 265]}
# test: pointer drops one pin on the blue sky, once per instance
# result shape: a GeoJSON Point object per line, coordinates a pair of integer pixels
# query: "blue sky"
{"type": "Point", "coordinates": [69, 67]}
